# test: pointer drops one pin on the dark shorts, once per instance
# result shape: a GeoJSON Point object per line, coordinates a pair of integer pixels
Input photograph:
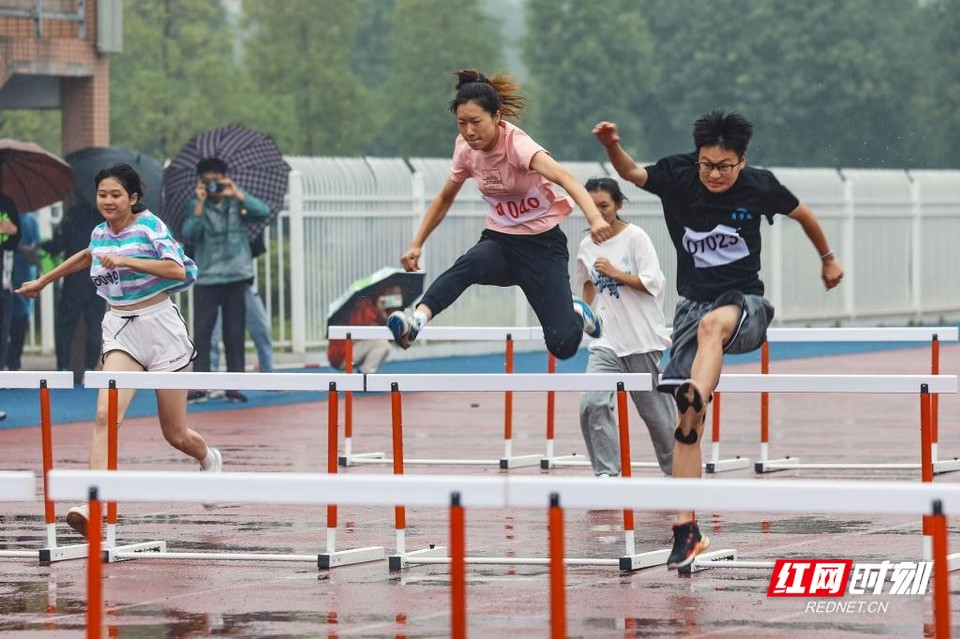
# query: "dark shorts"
{"type": "Point", "coordinates": [756, 315]}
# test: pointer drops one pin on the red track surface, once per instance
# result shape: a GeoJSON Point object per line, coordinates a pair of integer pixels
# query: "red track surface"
{"type": "Point", "coordinates": [260, 599]}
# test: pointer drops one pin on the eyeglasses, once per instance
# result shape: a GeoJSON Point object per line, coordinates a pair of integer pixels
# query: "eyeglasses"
{"type": "Point", "coordinates": [706, 168]}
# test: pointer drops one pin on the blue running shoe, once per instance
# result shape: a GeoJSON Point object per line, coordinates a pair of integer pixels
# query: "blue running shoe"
{"type": "Point", "coordinates": [404, 331]}
{"type": "Point", "coordinates": [592, 324]}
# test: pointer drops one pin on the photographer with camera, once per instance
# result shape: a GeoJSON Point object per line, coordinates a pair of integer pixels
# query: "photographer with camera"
{"type": "Point", "coordinates": [216, 224]}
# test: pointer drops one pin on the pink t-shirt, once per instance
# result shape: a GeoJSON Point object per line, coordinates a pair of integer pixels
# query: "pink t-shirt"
{"type": "Point", "coordinates": [522, 202]}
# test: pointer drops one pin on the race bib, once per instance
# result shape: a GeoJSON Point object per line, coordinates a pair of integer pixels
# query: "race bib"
{"type": "Point", "coordinates": [717, 247]}
{"type": "Point", "coordinates": [106, 281]}
{"type": "Point", "coordinates": [513, 211]}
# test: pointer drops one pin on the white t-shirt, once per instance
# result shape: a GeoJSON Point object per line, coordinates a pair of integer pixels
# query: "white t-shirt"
{"type": "Point", "coordinates": [633, 320]}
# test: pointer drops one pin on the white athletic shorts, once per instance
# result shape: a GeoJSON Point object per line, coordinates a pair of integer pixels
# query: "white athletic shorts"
{"type": "Point", "coordinates": [156, 336]}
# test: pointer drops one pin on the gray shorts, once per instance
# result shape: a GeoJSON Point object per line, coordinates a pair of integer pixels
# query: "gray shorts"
{"type": "Point", "coordinates": [755, 316]}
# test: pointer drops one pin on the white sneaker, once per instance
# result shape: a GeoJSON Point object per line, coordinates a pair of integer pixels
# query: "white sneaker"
{"type": "Point", "coordinates": [592, 324]}
{"type": "Point", "coordinates": [216, 467]}
{"type": "Point", "coordinates": [78, 518]}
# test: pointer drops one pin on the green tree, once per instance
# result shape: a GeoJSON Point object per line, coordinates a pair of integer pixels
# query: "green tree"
{"type": "Point", "coordinates": [300, 54]}
{"type": "Point", "coordinates": [428, 41]}
{"type": "Point", "coordinates": [176, 76]}
{"type": "Point", "coordinates": [827, 83]}
{"type": "Point", "coordinates": [589, 61]}
{"type": "Point", "coordinates": [33, 125]}
{"type": "Point", "coordinates": [938, 103]}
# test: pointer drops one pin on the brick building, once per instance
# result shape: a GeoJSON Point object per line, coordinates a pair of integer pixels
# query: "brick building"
{"type": "Point", "coordinates": [54, 55]}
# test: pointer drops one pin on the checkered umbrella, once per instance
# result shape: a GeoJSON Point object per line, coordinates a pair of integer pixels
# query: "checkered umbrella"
{"type": "Point", "coordinates": [253, 162]}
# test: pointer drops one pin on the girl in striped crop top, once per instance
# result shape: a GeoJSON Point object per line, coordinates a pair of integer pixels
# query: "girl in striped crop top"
{"type": "Point", "coordinates": [135, 264]}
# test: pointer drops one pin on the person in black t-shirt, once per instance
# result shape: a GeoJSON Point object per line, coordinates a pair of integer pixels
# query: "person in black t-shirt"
{"type": "Point", "coordinates": [713, 203]}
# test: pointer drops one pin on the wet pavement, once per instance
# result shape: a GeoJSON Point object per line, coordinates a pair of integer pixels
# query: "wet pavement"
{"type": "Point", "coordinates": [198, 598]}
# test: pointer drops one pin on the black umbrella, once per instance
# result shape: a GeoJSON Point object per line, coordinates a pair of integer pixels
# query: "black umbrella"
{"type": "Point", "coordinates": [31, 176]}
{"type": "Point", "coordinates": [253, 162]}
{"type": "Point", "coordinates": [411, 285]}
{"type": "Point", "coordinates": [86, 163]}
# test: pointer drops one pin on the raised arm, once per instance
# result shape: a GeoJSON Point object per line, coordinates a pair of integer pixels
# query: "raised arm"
{"type": "Point", "coordinates": [609, 136]}
{"type": "Point", "coordinates": [436, 211]}
{"type": "Point", "coordinates": [544, 164]}
{"type": "Point", "coordinates": [831, 271]}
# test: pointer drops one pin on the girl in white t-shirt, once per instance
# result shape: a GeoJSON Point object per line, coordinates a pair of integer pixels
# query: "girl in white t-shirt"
{"type": "Point", "coordinates": [522, 243]}
{"type": "Point", "coordinates": [622, 279]}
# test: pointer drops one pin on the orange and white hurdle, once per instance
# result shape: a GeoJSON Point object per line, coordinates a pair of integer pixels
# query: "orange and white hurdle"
{"type": "Point", "coordinates": [43, 381]}
{"type": "Point", "coordinates": [332, 385]}
{"type": "Point", "coordinates": [458, 492]}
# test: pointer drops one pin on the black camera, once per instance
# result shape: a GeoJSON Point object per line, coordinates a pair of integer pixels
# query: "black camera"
{"type": "Point", "coordinates": [213, 187]}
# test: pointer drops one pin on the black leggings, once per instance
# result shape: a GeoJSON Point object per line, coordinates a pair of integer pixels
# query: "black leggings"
{"type": "Point", "coordinates": [538, 264]}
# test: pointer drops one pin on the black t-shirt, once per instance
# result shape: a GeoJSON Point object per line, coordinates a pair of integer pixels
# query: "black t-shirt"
{"type": "Point", "coordinates": [716, 235]}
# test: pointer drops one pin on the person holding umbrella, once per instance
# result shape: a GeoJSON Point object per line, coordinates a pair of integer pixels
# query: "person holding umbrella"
{"type": "Point", "coordinates": [215, 223]}
{"type": "Point", "coordinates": [9, 239]}
{"type": "Point", "coordinates": [136, 264]}
{"type": "Point", "coordinates": [522, 243]}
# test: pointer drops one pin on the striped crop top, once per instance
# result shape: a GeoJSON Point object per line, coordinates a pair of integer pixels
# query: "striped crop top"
{"type": "Point", "coordinates": [147, 238]}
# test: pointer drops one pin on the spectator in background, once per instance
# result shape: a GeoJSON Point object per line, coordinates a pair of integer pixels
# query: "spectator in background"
{"type": "Point", "coordinates": [368, 354]}
{"type": "Point", "coordinates": [9, 239]}
{"type": "Point", "coordinates": [77, 298]}
{"type": "Point", "coordinates": [258, 325]}
{"type": "Point", "coordinates": [17, 309]}
{"type": "Point", "coordinates": [216, 224]}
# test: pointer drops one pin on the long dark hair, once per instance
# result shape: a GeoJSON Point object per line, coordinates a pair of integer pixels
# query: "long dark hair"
{"type": "Point", "coordinates": [497, 93]}
{"type": "Point", "coordinates": [128, 178]}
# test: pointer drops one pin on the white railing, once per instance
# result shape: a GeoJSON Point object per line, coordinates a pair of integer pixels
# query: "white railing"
{"type": "Point", "coordinates": [893, 230]}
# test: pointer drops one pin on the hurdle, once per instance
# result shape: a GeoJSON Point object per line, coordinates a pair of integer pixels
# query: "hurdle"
{"type": "Point", "coordinates": [397, 384]}
{"type": "Point", "coordinates": [512, 491]}
{"type": "Point", "coordinates": [43, 381]}
{"type": "Point", "coordinates": [507, 334]}
{"type": "Point", "coordinates": [856, 384]}
{"type": "Point", "coordinates": [114, 380]}
{"type": "Point", "coordinates": [931, 335]}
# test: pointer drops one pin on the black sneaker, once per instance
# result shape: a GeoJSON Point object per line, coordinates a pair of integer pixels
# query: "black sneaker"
{"type": "Point", "coordinates": [235, 396]}
{"type": "Point", "coordinates": [197, 397]}
{"type": "Point", "coordinates": [687, 544]}
{"type": "Point", "coordinates": [404, 331]}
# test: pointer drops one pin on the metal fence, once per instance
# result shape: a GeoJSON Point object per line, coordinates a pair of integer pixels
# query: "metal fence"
{"type": "Point", "coordinates": [895, 232]}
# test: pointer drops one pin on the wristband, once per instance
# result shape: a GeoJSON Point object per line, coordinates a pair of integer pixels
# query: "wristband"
{"type": "Point", "coordinates": [827, 254]}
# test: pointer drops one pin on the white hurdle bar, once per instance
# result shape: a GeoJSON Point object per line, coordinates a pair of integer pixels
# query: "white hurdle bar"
{"type": "Point", "coordinates": [316, 382]}
{"type": "Point", "coordinates": [832, 384]}
{"type": "Point", "coordinates": [524, 492]}
{"type": "Point", "coordinates": [397, 384]}
{"type": "Point", "coordinates": [18, 485]}
{"type": "Point", "coordinates": [506, 334]}
{"type": "Point", "coordinates": [903, 334]}
{"type": "Point", "coordinates": [43, 381]}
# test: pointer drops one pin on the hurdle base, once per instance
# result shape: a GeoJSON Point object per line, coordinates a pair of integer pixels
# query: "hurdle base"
{"type": "Point", "coordinates": [348, 557]}
{"type": "Point", "coordinates": [399, 562]}
{"type": "Point", "coordinates": [721, 465]}
{"type": "Point", "coordinates": [63, 553]}
{"type": "Point", "coordinates": [946, 466]}
{"type": "Point", "coordinates": [727, 554]}
{"type": "Point", "coordinates": [546, 463]}
{"type": "Point", "coordinates": [112, 555]}
{"type": "Point", "coordinates": [644, 560]}
{"type": "Point", "coordinates": [773, 465]}
{"type": "Point", "coordinates": [358, 458]}
{"type": "Point", "coordinates": [520, 461]}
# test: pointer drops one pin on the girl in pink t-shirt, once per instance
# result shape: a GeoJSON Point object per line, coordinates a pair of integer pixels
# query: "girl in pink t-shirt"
{"type": "Point", "coordinates": [522, 243]}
